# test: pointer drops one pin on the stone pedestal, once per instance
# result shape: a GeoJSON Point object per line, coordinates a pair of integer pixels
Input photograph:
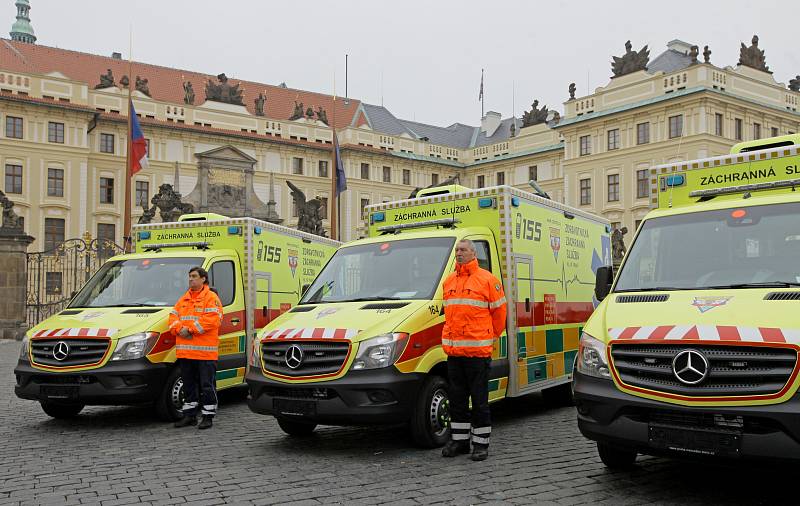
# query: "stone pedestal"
{"type": "Point", "coordinates": [13, 245]}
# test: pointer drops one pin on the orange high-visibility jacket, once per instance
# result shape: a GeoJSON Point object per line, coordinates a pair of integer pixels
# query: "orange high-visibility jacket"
{"type": "Point", "coordinates": [474, 311]}
{"type": "Point", "coordinates": [201, 313]}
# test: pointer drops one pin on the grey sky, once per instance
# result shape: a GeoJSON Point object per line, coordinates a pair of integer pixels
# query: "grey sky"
{"type": "Point", "coordinates": [430, 53]}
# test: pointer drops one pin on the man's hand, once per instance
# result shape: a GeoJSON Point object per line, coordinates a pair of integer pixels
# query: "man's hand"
{"type": "Point", "coordinates": [185, 333]}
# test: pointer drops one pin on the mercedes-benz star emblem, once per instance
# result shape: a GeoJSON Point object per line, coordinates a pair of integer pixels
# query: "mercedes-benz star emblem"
{"type": "Point", "coordinates": [61, 351]}
{"type": "Point", "coordinates": [690, 367]}
{"type": "Point", "coordinates": [294, 356]}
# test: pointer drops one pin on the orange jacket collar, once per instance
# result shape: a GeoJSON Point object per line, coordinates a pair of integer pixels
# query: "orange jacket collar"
{"type": "Point", "coordinates": [468, 268]}
{"type": "Point", "coordinates": [199, 294]}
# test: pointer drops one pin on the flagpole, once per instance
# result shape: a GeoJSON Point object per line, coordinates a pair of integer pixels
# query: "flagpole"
{"type": "Point", "coordinates": [334, 211]}
{"type": "Point", "coordinates": [127, 242]}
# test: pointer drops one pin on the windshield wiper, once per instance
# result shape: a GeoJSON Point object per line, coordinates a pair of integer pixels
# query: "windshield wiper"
{"type": "Point", "coordinates": [370, 299]}
{"type": "Point", "coordinates": [760, 284]}
{"type": "Point", "coordinates": [656, 289]}
{"type": "Point", "coordinates": [130, 304]}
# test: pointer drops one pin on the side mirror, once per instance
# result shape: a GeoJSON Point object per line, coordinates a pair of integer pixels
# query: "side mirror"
{"type": "Point", "coordinates": [602, 282]}
{"type": "Point", "coordinates": [304, 289]}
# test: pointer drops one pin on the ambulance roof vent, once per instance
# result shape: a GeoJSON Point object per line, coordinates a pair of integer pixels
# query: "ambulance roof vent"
{"type": "Point", "coordinates": [658, 297]}
{"type": "Point", "coordinates": [443, 222]}
{"type": "Point", "coordinates": [782, 296]}
{"type": "Point", "coordinates": [202, 217]}
{"type": "Point", "coordinates": [727, 190]}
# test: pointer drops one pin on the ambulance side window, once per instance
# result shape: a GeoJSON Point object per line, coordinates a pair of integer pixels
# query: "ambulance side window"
{"type": "Point", "coordinates": [221, 277]}
{"type": "Point", "coordinates": [483, 256]}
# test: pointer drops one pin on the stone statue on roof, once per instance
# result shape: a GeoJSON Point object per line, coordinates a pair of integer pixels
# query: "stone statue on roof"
{"type": "Point", "coordinates": [188, 93]}
{"type": "Point", "coordinates": [572, 91]}
{"type": "Point", "coordinates": [694, 51]}
{"type": "Point", "coordinates": [259, 102]}
{"type": "Point", "coordinates": [535, 116]}
{"type": "Point", "coordinates": [147, 215]}
{"type": "Point", "coordinates": [794, 84]}
{"type": "Point", "coordinates": [169, 203]}
{"type": "Point", "coordinates": [298, 111]}
{"type": "Point", "coordinates": [224, 91]}
{"type": "Point", "coordinates": [124, 81]}
{"type": "Point", "coordinates": [706, 55]}
{"type": "Point", "coordinates": [142, 86]}
{"type": "Point", "coordinates": [309, 216]}
{"type": "Point", "coordinates": [106, 80]}
{"type": "Point", "coordinates": [322, 115]}
{"type": "Point", "coordinates": [310, 113]}
{"type": "Point", "coordinates": [631, 61]}
{"type": "Point", "coordinates": [753, 57]}
{"type": "Point", "coordinates": [618, 248]}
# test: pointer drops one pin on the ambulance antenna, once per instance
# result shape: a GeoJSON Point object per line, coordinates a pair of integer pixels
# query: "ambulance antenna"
{"type": "Point", "coordinates": [677, 153]}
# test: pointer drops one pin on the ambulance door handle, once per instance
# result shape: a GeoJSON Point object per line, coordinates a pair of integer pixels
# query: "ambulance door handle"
{"type": "Point", "coordinates": [527, 305]}
{"type": "Point", "coordinates": [235, 321]}
{"type": "Point", "coordinates": [264, 311]}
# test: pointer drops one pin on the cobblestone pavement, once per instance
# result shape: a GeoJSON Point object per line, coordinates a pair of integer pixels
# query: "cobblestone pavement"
{"type": "Point", "coordinates": [123, 455]}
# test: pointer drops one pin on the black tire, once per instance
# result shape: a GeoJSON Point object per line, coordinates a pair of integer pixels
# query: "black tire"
{"type": "Point", "coordinates": [169, 403]}
{"type": "Point", "coordinates": [61, 411]}
{"type": "Point", "coordinates": [615, 457]}
{"type": "Point", "coordinates": [296, 428]}
{"type": "Point", "coordinates": [560, 395]}
{"type": "Point", "coordinates": [430, 422]}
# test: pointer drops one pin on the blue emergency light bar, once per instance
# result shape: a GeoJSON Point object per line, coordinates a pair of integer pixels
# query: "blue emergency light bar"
{"type": "Point", "coordinates": [676, 180]}
{"type": "Point", "coordinates": [487, 202]}
{"type": "Point", "coordinates": [234, 230]}
{"type": "Point", "coordinates": [257, 230]}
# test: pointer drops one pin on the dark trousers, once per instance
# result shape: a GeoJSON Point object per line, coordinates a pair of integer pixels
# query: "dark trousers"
{"type": "Point", "coordinates": [469, 379]}
{"type": "Point", "coordinates": [199, 384]}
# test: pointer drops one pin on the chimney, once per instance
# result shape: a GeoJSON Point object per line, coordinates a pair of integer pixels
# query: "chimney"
{"type": "Point", "coordinates": [490, 123]}
{"type": "Point", "coordinates": [679, 46]}
{"type": "Point", "coordinates": [116, 55]}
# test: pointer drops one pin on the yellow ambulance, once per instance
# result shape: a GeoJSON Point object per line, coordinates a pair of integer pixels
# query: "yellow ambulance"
{"type": "Point", "coordinates": [111, 346]}
{"type": "Point", "coordinates": [363, 345]}
{"type": "Point", "coordinates": [693, 350]}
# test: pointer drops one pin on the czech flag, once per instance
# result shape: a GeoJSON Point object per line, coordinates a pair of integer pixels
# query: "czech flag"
{"type": "Point", "coordinates": [138, 155]}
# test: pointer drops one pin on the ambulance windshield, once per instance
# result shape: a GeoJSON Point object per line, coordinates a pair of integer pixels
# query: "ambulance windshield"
{"type": "Point", "coordinates": [747, 247]}
{"type": "Point", "coordinates": [137, 282]}
{"type": "Point", "coordinates": [391, 270]}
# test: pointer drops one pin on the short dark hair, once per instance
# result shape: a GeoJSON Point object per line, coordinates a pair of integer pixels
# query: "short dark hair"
{"type": "Point", "coordinates": [200, 272]}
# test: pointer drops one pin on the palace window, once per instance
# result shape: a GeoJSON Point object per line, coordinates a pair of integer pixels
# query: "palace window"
{"type": "Point", "coordinates": [613, 187]}
{"type": "Point", "coordinates": [501, 178]}
{"type": "Point", "coordinates": [55, 132]}
{"type": "Point", "coordinates": [533, 173]}
{"type": "Point", "coordinates": [13, 178]}
{"type": "Point", "coordinates": [364, 170]}
{"type": "Point", "coordinates": [675, 126]}
{"type": "Point", "coordinates": [774, 132]}
{"type": "Point", "coordinates": [13, 127]}
{"type": "Point", "coordinates": [106, 234]}
{"type": "Point", "coordinates": [718, 125]}
{"type": "Point", "coordinates": [434, 178]}
{"type": "Point", "coordinates": [756, 131]}
{"type": "Point", "coordinates": [481, 182]}
{"type": "Point", "coordinates": [106, 190]}
{"type": "Point", "coordinates": [142, 194]}
{"type": "Point", "coordinates": [643, 133]}
{"type": "Point", "coordinates": [613, 139]}
{"type": "Point", "coordinates": [297, 165]}
{"type": "Point", "coordinates": [406, 177]}
{"type": "Point", "coordinates": [387, 174]}
{"type": "Point", "coordinates": [322, 169]}
{"type": "Point", "coordinates": [106, 143]}
{"type": "Point", "coordinates": [53, 232]}
{"type": "Point", "coordinates": [364, 204]}
{"type": "Point", "coordinates": [586, 191]}
{"type": "Point", "coordinates": [642, 184]}
{"type": "Point", "coordinates": [323, 208]}
{"type": "Point", "coordinates": [586, 145]}
{"type": "Point", "coordinates": [55, 182]}
{"type": "Point", "coordinates": [739, 128]}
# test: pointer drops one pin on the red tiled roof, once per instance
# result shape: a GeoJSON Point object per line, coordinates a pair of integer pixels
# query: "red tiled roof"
{"type": "Point", "coordinates": [166, 84]}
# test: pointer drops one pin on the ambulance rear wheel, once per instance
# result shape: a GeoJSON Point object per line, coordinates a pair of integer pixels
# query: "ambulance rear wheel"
{"type": "Point", "coordinates": [61, 411]}
{"type": "Point", "coordinates": [170, 403]}
{"type": "Point", "coordinates": [615, 457]}
{"type": "Point", "coordinates": [296, 428]}
{"type": "Point", "coordinates": [430, 423]}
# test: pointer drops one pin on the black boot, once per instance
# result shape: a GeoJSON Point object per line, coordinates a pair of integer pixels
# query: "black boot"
{"type": "Point", "coordinates": [206, 422]}
{"type": "Point", "coordinates": [186, 421]}
{"type": "Point", "coordinates": [480, 452]}
{"type": "Point", "coordinates": [453, 448]}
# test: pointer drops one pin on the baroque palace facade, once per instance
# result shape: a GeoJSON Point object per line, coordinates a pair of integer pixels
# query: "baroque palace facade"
{"type": "Point", "coordinates": [63, 136]}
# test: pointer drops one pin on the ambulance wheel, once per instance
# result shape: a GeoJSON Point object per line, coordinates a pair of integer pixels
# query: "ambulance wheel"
{"type": "Point", "coordinates": [61, 411]}
{"type": "Point", "coordinates": [296, 428]}
{"type": "Point", "coordinates": [615, 457]}
{"type": "Point", "coordinates": [560, 395]}
{"type": "Point", "coordinates": [170, 402]}
{"type": "Point", "coordinates": [430, 422]}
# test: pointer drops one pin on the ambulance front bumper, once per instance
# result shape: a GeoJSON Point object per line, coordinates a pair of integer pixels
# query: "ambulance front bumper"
{"type": "Point", "coordinates": [116, 383]}
{"type": "Point", "coordinates": [378, 396]}
{"type": "Point", "coordinates": [608, 415]}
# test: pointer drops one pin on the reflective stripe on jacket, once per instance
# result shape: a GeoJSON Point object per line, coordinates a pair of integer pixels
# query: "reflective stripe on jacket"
{"type": "Point", "coordinates": [474, 311]}
{"type": "Point", "coordinates": [201, 313]}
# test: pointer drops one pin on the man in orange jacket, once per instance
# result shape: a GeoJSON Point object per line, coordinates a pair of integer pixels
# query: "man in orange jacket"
{"type": "Point", "coordinates": [475, 315]}
{"type": "Point", "coordinates": [195, 321]}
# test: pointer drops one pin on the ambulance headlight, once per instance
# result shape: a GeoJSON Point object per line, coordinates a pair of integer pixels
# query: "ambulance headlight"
{"type": "Point", "coordinates": [134, 346]}
{"type": "Point", "coordinates": [380, 351]}
{"type": "Point", "coordinates": [24, 348]}
{"type": "Point", "coordinates": [592, 357]}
